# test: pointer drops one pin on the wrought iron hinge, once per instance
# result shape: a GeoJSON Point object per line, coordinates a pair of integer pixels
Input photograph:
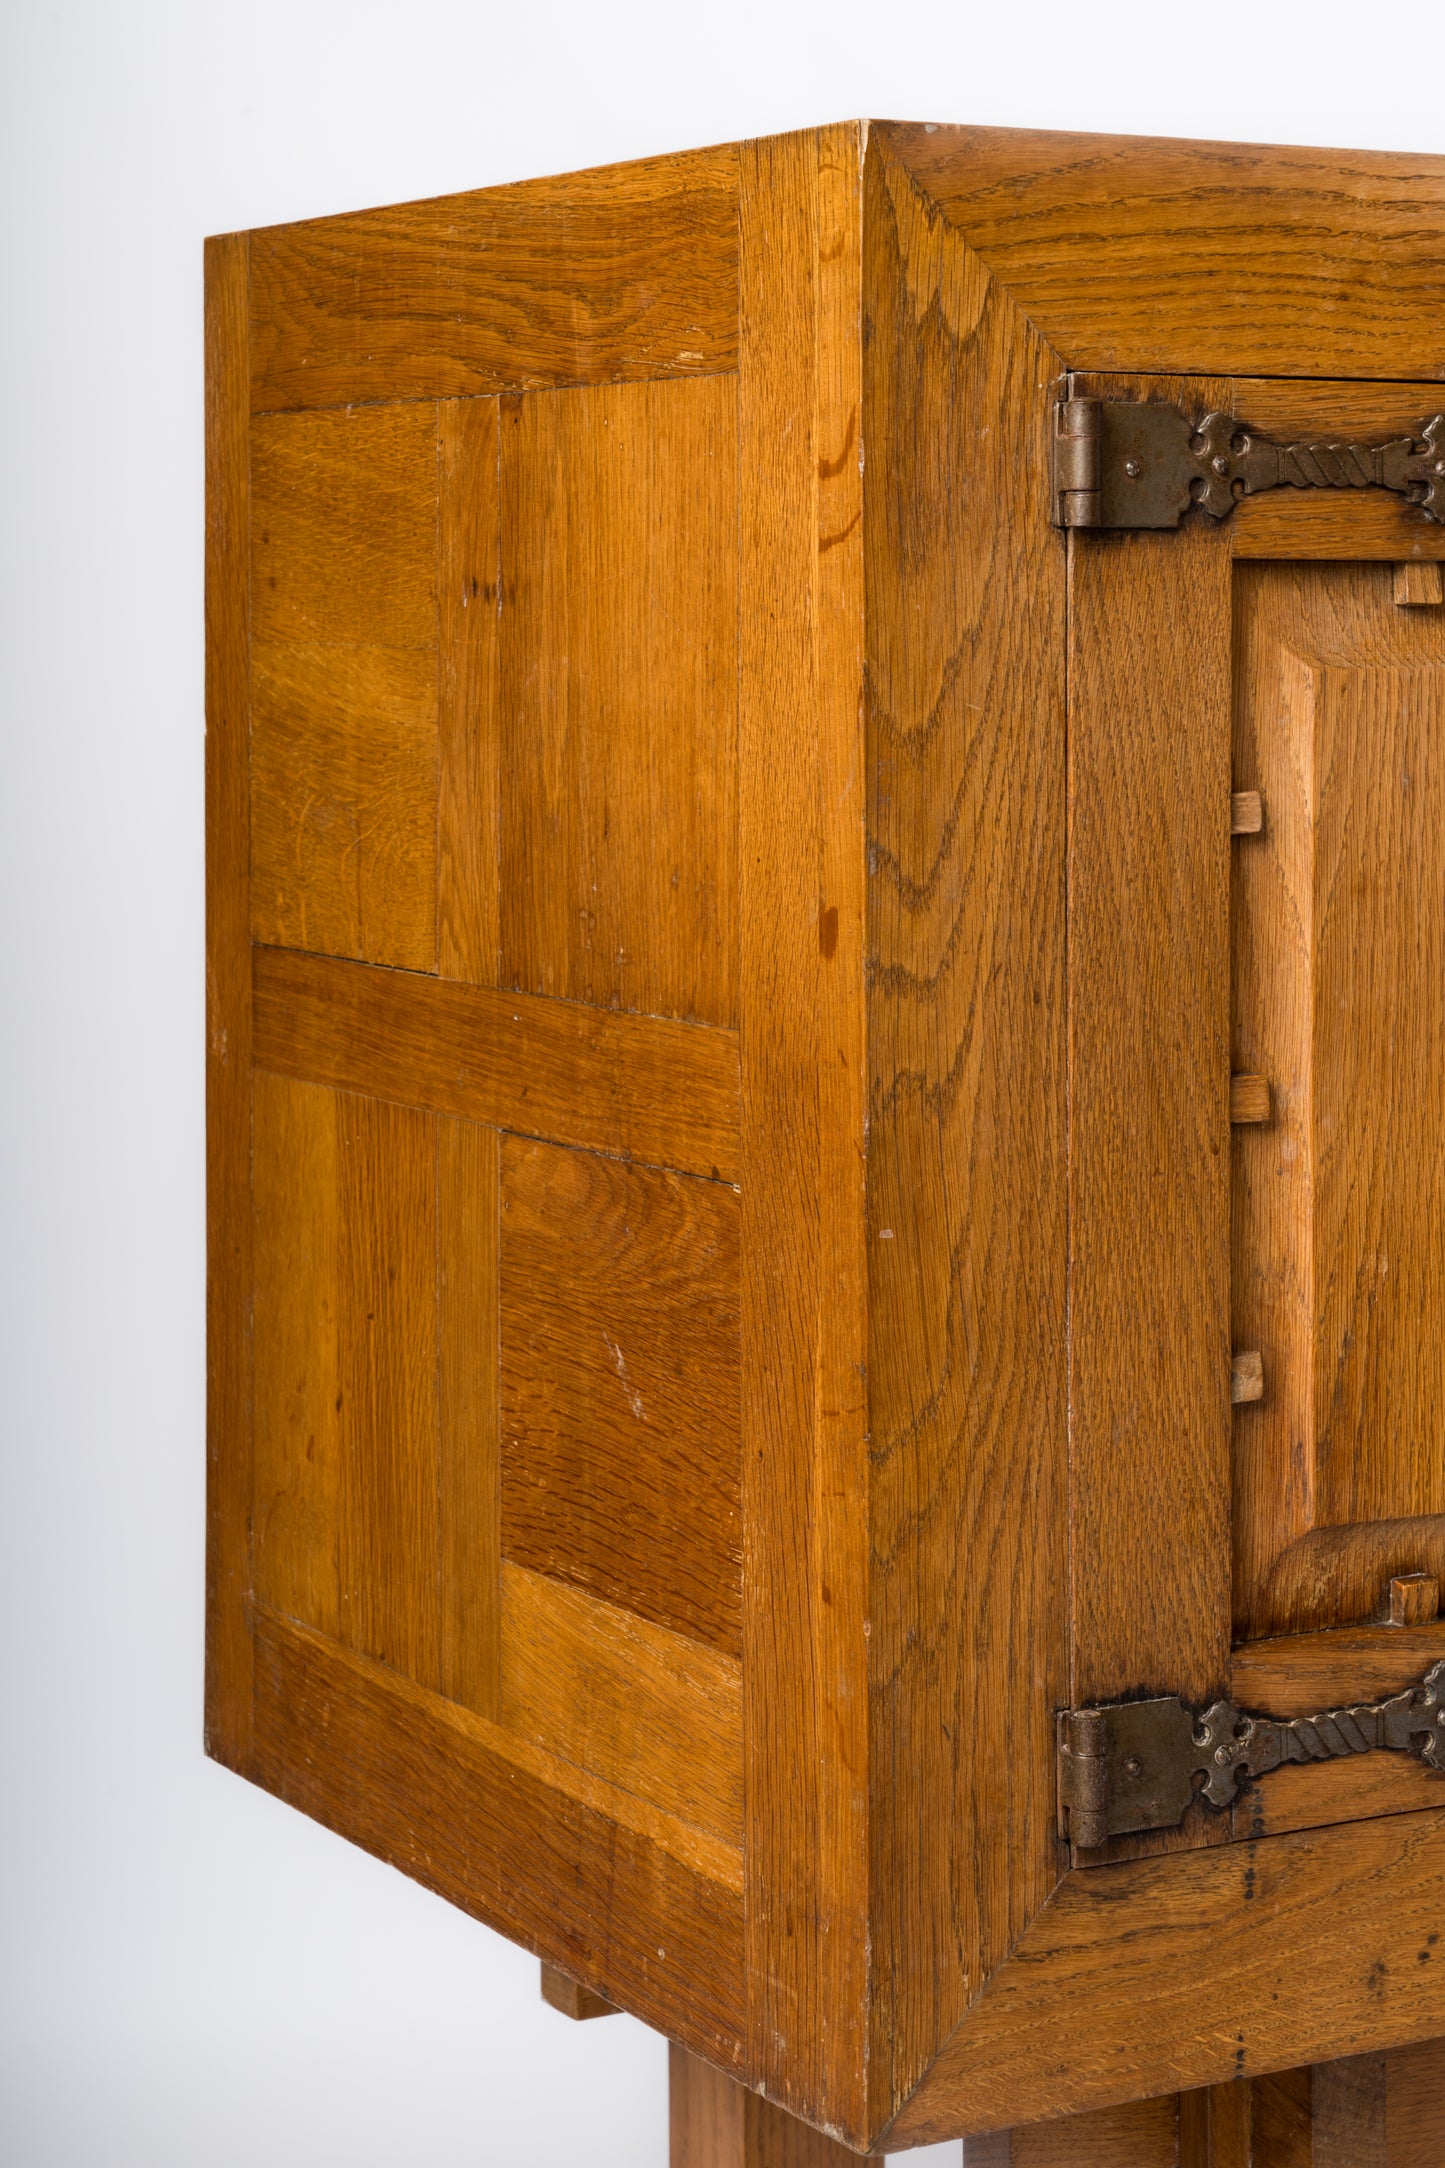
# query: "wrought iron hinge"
{"type": "Point", "coordinates": [1121, 463]}
{"type": "Point", "coordinates": [1132, 1765]}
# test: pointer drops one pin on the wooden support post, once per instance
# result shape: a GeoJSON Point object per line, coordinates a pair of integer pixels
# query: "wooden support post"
{"type": "Point", "coordinates": [716, 2123]}
{"type": "Point", "coordinates": [571, 1997]}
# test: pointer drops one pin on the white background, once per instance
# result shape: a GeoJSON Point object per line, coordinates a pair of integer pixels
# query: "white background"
{"type": "Point", "coordinates": [194, 1975]}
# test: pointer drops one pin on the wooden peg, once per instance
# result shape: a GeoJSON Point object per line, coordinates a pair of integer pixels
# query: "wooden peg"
{"type": "Point", "coordinates": [1419, 584]}
{"type": "Point", "coordinates": [1246, 813]}
{"type": "Point", "coordinates": [571, 1997]}
{"type": "Point", "coordinates": [1414, 1599]}
{"type": "Point", "coordinates": [1248, 1099]}
{"type": "Point", "coordinates": [1246, 1380]}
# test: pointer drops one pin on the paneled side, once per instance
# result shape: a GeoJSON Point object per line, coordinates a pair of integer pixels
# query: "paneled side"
{"type": "Point", "coordinates": [967, 1246]}
{"type": "Point", "coordinates": [375, 1513]}
{"type": "Point", "coordinates": [648, 1709]}
{"type": "Point", "coordinates": [619, 697]}
{"type": "Point", "coordinates": [1137, 252]}
{"type": "Point", "coordinates": [344, 670]}
{"type": "Point", "coordinates": [585, 278]}
{"type": "Point", "coordinates": [619, 1385]}
{"type": "Point", "coordinates": [1339, 967]}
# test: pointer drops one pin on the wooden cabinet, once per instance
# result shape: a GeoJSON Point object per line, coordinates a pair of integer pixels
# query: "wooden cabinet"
{"type": "Point", "coordinates": [826, 1123]}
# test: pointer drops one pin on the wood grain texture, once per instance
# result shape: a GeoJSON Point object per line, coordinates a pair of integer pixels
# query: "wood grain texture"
{"type": "Point", "coordinates": [495, 1828]}
{"type": "Point", "coordinates": [618, 1302]}
{"type": "Point", "coordinates": [469, 1525]}
{"type": "Point", "coordinates": [1149, 868]}
{"type": "Point", "coordinates": [388, 1549]}
{"type": "Point", "coordinates": [1335, 1575]}
{"type": "Point", "coordinates": [1349, 2113]}
{"type": "Point", "coordinates": [1140, 2134]}
{"type": "Point", "coordinates": [638, 1086]}
{"type": "Point", "coordinates": [713, 2122]}
{"type": "Point", "coordinates": [629, 271]}
{"type": "Point", "coordinates": [297, 1453]}
{"type": "Point", "coordinates": [469, 601]}
{"type": "Point", "coordinates": [966, 1144]}
{"type": "Point", "coordinates": [1344, 523]}
{"type": "Point", "coordinates": [344, 721]}
{"type": "Point", "coordinates": [571, 1999]}
{"type": "Point", "coordinates": [619, 641]}
{"type": "Point", "coordinates": [1338, 971]}
{"type": "Point", "coordinates": [228, 1010]}
{"type": "Point", "coordinates": [346, 1338]}
{"type": "Point", "coordinates": [802, 854]}
{"type": "Point", "coordinates": [1415, 2105]}
{"type": "Point", "coordinates": [1196, 257]}
{"type": "Point", "coordinates": [646, 1708]}
{"type": "Point", "coordinates": [1300, 1674]}
{"type": "Point", "coordinates": [1314, 1947]}
{"type": "Point", "coordinates": [1419, 586]}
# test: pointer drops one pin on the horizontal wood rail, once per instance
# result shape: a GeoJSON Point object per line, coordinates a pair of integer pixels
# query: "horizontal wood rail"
{"type": "Point", "coordinates": [640, 1087]}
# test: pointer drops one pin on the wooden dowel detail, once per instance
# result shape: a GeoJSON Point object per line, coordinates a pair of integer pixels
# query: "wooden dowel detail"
{"type": "Point", "coordinates": [1414, 1599]}
{"type": "Point", "coordinates": [1246, 813]}
{"type": "Point", "coordinates": [1420, 584]}
{"type": "Point", "coordinates": [1246, 1380]}
{"type": "Point", "coordinates": [1248, 1099]}
{"type": "Point", "coordinates": [571, 1997]}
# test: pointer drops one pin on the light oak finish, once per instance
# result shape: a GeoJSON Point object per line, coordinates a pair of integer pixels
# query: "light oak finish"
{"type": "Point", "coordinates": [344, 700]}
{"type": "Point", "coordinates": [1248, 1099]}
{"type": "Point", "coordinates": [824, 1110]}
{"type": "Point", "coordinates": [967, 1234]}
{"type": "Point", "coordinates": [1419, 586]}
{"type": "Point", "coordinates": [618, 1302]}
{"type": "Point", "coordinates": [585, 278]}
{"type": "Point", "coordinates": [1137, 252]}
{"type": "Point", "coordinates": [618, 872]}
{"type": "Point", "coordinates": [804, 1128]}
{"type": "Point", "coordinates": [1338, 998]}
{"type": "Point", "coordinates": [636, 1087]}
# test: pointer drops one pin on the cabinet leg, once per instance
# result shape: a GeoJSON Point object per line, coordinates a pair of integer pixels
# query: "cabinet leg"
{"type": "Point", "coordinates": [716, 2123]}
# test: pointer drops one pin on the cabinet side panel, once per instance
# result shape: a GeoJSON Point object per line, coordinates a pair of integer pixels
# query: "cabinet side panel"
{"type": "Point", "coordinates": [802, 864]}
{"type": "Point", "coordinates": [583, 278]}
{"type": "Point", "coordinates": [967, 1239]}
{"type": "Point", "coordinates": [228, 1007]}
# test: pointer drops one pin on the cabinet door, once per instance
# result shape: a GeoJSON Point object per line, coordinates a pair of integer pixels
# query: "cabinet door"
{"type": "Point", "coordinates": [1257, 1026]}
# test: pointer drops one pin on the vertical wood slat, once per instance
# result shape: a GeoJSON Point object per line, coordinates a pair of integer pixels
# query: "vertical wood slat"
{"type": "Point", "coordinates": [300, 1413]}
{"type": "Point", "coordinates": [388, 1555]}
{"type": "Point", "coordinates": [228, 1005]}
{"type": "Point", "coordinates": [469, 1501]}
{"type": "Point", "coordinates": [967, 1133]}
{"type": "Point", "coordinates": [802, 910]}
{"type": "Point", "coordinates": [618, 715]}
{"type": "Point", "coordinates": [468, 608]}
{"type": "Point", "coordinates": [1149, 782]}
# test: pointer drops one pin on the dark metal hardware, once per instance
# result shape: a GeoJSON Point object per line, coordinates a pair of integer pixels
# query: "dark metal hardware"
{"type": "Point", "coordinates": [1121, 463]}
{"type": "Point", "coordinates": [1133, 1765]}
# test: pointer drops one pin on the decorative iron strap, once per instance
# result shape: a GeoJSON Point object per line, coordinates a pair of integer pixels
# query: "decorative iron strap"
{"type": "Point", "coordinates": [1133, 1765]}
{"type": "Point", "coordinates": [1124, 463]}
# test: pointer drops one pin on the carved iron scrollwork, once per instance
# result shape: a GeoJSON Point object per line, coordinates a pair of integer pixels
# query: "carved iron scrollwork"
{"type": "Point", "coordinates": [1124, 463]}
{"type": "Point", "coordinates": [1134, 1765]}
